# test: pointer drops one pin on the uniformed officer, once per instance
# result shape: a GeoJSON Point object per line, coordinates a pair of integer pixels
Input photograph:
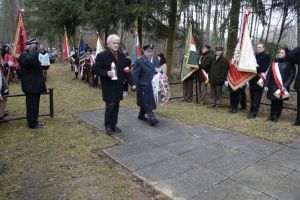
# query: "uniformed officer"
{"type": "Point", "coordinates": [33, 82]}
{"type": "Point", "coordinates": [144, 70]}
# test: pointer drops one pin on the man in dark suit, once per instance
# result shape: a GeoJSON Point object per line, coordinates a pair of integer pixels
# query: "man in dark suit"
{"type": "Point", "coordinates": [33, 82]}
{"type": "Point", "coordinates": [144, 70]}
{"type": "Point", "coordinates": [112, 69]}
{"type": "Point", "coordinates": [263, 61]}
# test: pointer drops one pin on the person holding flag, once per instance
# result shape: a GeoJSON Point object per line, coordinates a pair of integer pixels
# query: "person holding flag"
{"type": "Point", "coordinates": [205, 61]}
{"type": "Point", "coordinates": [263, 62]}
{"type": "Point", "coordinates": [279, 79]}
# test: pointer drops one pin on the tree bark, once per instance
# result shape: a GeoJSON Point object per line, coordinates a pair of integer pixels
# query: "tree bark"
{"type": "Point", "coordinates": [298, 24]}
{"type": "Point", "coordinates": [215, 34]}
{"type": "Point", "coordinates": [208, 21]}
{"type": "Point", "coordinates": [233, 27]}
{"type": "Point", "coordinates": [270, 19]}
{"type": "Point", "coordinates": [171, 35]}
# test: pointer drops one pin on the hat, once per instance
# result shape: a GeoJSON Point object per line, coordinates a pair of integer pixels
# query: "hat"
{"type": "Point", "coordinates": [219, 48]}
{"type": "Point", "coordinates": [148, 47]}
{"type": "Point", "coordinates": [207, 46]}
{"type": "Point", "coordinates": [31, 41]}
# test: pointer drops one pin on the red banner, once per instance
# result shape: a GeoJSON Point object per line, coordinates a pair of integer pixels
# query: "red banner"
{"type": "Point", "coordinates": [20, 38]}
{"type": "Point", "coordinates": [65, 53]}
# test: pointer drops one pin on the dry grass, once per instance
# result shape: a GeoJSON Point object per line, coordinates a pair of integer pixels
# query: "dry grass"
{"type": "Point", "coordinates": [64, 160]}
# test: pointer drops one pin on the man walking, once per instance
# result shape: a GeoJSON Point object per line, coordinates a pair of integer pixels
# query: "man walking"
{"type": "Point", "coordinates": [33, 82]}
{"type": "Point", "coordinates": [263, 62]}
{"type": "Point", "coordinates": [112, 69]}
{"type": "Point", "coordinates": [144, 70]}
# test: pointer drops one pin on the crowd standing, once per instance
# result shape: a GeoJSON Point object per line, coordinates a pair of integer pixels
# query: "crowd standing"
{"type": "Point", "coordinates": [116, 72]}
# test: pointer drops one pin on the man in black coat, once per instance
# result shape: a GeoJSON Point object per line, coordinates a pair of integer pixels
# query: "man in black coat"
{"type": "Point", "coordinates": [33, 82]}
{"type": "Point", "coordinates": [112, 69]}
{"type": "Point", "coordinates": [144, 70]}
{"type": "Point", "coordinates": [294, 57]}
{"type": "Point", "coordinates": [263, 61]}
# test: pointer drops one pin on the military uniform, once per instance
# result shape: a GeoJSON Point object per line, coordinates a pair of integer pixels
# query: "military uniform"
{"type": "Point", "coordinates": [143, 72]}
{"type": "Point", "coordinates": [33, 83]}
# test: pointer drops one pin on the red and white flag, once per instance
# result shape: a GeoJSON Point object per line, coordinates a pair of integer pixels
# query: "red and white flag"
{"type": "Point", "coordinates": [243, 64]}
{"type": "Point", "coordinates": [66, 52]}
{"type": "Point", "coordinates": [20, 37]}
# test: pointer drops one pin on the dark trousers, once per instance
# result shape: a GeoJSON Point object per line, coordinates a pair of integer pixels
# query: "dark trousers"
{"type": "Point", "coordinates": [111, 114]}
{"type": "Point", "coordinates": [255, 96]}
{"type": "Point", "coordinates": [276, 108]}
{"type": "Point", "coordinates": [32, 109]}
{"type": "Point", "coordinates": [125, 86]}
{"type": "Point", "coordinates": [243, 98]}
{"type": "Point", "coordinates": [150, 114]}
{"type": "Point", "coordinates": [235, 99]}
{"type": "Point", "coordinates": [216, 94]}
{"type": "Point", "coordinates": [298, 108]}
{"type": "Point", "coordinates": [188, 89]}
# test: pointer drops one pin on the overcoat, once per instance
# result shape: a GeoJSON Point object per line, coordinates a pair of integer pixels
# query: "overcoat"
{"type": "Point", "coordinates": [143, 72]}
{"type": "Point", "coordinates": [287, 71]}
{"type": "Point", "coordinates": [112, 90]}
{"type": "Point", "coordinates": [294, 57]}
{"type": "Point", "coordinates": [218, 71]}
{"type": "Point", "coordinates": [263, 61]}
{"type": "Point", "coordinates": [32, 78]}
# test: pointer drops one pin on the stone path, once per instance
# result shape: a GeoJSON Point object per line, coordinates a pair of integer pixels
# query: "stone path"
{"type": "Point", "coordinates": [203, 162]}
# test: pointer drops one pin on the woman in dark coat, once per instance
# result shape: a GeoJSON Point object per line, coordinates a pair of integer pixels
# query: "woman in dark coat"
{"type": "Point", "coordinates": [287, 72]}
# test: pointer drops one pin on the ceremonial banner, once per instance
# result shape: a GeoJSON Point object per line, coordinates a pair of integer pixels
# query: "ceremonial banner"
{"type": "Point", "coordinates": [243, 64]}
{"type": "Point", "coordinates": [136, 54]}
{"type": "Point", "coordinates": [190, 57]}
{"type": "Point", "coordinates": [81, 52]}
{"type": "Point", "coordinates": [20, 37]}
{"type": "Point", "coordinates": [66, 52]}
{"type": "Point", "coordinates": [99, 46]}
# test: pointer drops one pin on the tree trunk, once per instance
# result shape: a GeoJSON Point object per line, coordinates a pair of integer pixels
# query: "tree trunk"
{"type": "Point", "coordinates": [282, 27]}
{"type": "Point", "coordinates": [215, 34]}
{"type": "Point", "coordinates": [171, 35]}
{"type": "Point", "coordinates": [208, 21]}
{"type": "Point", "coordinates": [140, 29]}
{"type": "Point", "coordinates": [298, 24]}
{"type": "Point", "coordinates": [270, 19]}
{"type": "Point", "coordinates": [233, 26]}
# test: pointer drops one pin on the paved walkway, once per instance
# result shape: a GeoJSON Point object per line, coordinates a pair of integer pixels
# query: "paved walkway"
{"type": "Point", "coordinates": [203, 162]}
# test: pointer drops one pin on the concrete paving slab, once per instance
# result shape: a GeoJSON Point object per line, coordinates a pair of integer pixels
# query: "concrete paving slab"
{"type": "Point", "coordinates": [231, 162]}
{"type": "Point", "coordinates": [204, 153]}
{"type": "Point", "coordinates": [287, 189]}
{"type": "Point", "coordinates": [235, 142]}
{"type": "Point", "coordinates": [262, 175]}
{"type": "Point", "coordinates": [190, 183]}
{"type": "Point", "coordinates": [260, 148]}
{"type": "Point", "coordinates": [228, 190]}
{"type": "Point", "coordinates": [165, 169]}
{"type": "Point", "coordinates": [295, 144]}
{"type": "Point", "coordinates": [287, 157]}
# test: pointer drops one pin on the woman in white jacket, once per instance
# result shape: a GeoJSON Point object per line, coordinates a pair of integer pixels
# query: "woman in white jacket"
{"type": "Point", "coordinates": [44, 60]}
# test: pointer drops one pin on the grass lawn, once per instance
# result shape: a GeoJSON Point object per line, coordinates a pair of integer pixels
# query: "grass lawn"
{"type": "Point", "coordinates": [65, 160]}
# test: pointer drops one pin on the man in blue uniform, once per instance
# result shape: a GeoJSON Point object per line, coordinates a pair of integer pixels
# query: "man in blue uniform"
{"type": "Point", "coordinates": [144, 70]}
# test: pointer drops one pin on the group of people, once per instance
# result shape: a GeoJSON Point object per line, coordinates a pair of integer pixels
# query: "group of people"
{"type": "Point", "coordinates": [32, 66]}
{"type": "Point", "coordinates": [273, 76]}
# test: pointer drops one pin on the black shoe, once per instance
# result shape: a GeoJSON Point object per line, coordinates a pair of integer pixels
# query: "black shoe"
{"type": "Point", "coordinates": [234, 110]}
{"type": "Point", "coordinates": [230, 110]}
{"type": "Point", "coordinates": [116, 129]}
{"type": "Point", "coordinates": [296, 124]}
{"type": "Point", "coordinates": [38, 126]}
{"type": "Point", "coordinates": [154, 122]}
{"type": "Point", "coordinates": [251, 116]}
{"type": "Point", "coordinates": [143, 118]}
{"type": "Point", "coordinates": [109, 131]}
